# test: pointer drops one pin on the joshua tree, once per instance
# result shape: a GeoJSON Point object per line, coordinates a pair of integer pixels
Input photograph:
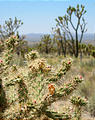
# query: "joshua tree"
{"type": "Point", "coordinates": [10, 27]}
{"type": "Point", "coordinates": [60, 40]}
{"type": "Point", "coordinates": [67, 20]}
{"type": "Point", "coordinates": [46, 43]}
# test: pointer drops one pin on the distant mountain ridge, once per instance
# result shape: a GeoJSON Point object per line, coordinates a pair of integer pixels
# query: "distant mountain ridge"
{"type": "Point", "coordinates": [36, 37]}
{"type": "Point", "coordinates": [33, 37]}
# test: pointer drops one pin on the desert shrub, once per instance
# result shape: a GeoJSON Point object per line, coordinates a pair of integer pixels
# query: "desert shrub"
{"type": "Point", "coordinates": [31, 90]}
{"type": "Point", "coordinates": [93, 53]}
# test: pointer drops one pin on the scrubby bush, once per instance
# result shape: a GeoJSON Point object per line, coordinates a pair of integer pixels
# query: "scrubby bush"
{"type": "Point", "coordinates": [93, 53]}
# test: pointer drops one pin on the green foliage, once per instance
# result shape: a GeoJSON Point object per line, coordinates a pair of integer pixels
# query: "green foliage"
{"type": "Point", "coordinates": [93, 53]}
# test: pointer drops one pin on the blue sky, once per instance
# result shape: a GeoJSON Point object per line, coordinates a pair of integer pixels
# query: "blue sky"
{"type": "Point", "coordinates": [39, 16]}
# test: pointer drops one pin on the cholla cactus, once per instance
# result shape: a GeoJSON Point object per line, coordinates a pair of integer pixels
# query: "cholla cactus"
{"type": "Point", "coordinates": [43, 88]}
{"type": "Point", "coordinates": [3, 101]}
{"type": "Point", "coordinates": [10, 44]}
{"type": "Point", "coordinates": [1, 46]}
{"type": "Point", "coordinates": [37, 88]}
{"type": "Point", "coordinates": [39, 66]}
{"type": "Point", "coordinates": [78, 103]}
{"type": "Point", "coordinates": [32, 55]}
{"type": "Point", "coordinates": [1, 63]}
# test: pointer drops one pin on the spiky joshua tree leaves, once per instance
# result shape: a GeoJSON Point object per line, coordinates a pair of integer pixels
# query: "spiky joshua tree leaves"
{"type": "Point", "coordinates": [37, 87]}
